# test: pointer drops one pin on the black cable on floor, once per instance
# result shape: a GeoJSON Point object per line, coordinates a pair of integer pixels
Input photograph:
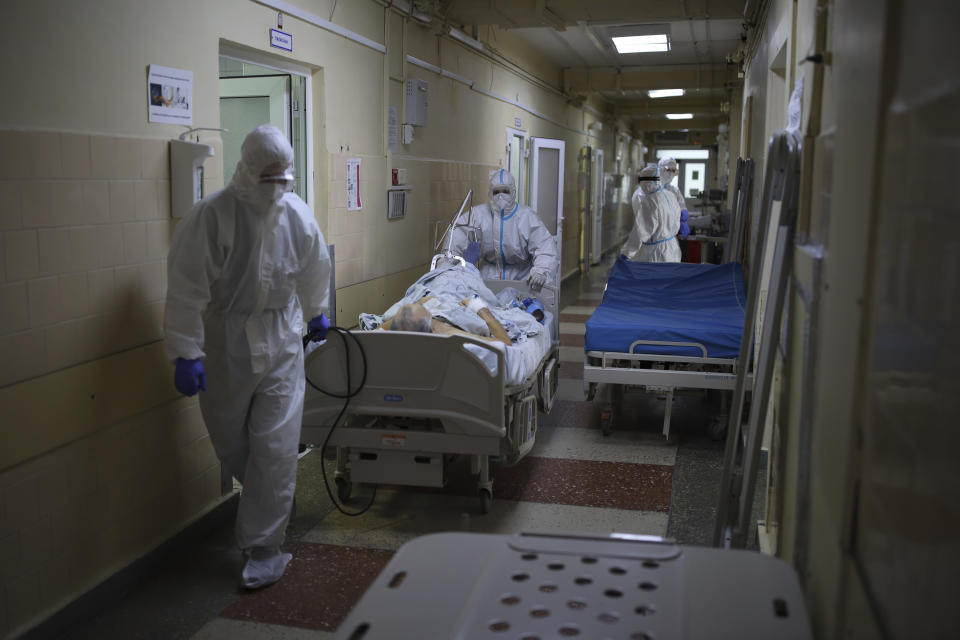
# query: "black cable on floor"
{"type": "Point", "coordinates": [340, 331]}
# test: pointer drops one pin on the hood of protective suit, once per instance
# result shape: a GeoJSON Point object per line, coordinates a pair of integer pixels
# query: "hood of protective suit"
{"type": "Point", "coordinates": [648, 178]}
{"type": "Point", "coordinates": [500, 179]}
{"type": "Point", "coordinates": [668, 170]}
{"type": "Point", "coordinates": [265, 171]}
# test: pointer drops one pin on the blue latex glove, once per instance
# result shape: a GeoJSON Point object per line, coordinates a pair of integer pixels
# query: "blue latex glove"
{"type": "Point", "coordinates": [189, 377]}
{"type": "Point", "coordinates": [684, 229]}
{"type": "Point", "coordinates": [622, 257]}
{"type": "Point", "coordinates": [321, 325]}
{"type": "Point", "coordinates": [472, 254]}
{"type": "Point", "coordinates": [684, 215]}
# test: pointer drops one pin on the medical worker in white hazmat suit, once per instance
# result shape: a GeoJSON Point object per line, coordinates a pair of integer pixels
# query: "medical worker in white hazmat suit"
{"type": "Point", "coordinates": [243, 266]}
{"type": "Point", "coordinates": [653, 238]}
{"type": "Point", "coordinates": [516, 244]}
{"type": "Point", "coordinates": [668, 171]}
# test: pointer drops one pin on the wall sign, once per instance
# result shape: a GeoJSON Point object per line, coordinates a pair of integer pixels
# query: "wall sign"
{"type": "Point", "coordinates": [353, 185]}
{"type": "Point", "coordinates": [170, 95]}
{"type": "Point", "coordinates": [281, 40]}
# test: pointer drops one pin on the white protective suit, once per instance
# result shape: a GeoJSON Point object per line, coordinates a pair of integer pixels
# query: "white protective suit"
{"type": "Point", "coordinates": [515, 241]}
{"type": "Point", "coordinates": [653, 238]}
{"type": "Point", "coordinates": [243, 265]}
{"type": "Point", "coordinates": [668, 171]}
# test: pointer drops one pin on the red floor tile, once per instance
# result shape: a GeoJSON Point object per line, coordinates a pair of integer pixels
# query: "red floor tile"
{"type": "Point", "coordinates": [321, 585]}
{"type": "Point", "coordinates": [571, 340]}
{"type": "Point", "coordinates": [585, 483]}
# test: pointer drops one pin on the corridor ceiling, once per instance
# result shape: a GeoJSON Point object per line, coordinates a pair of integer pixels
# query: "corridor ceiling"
{"type": "Point", "coordinates": [576, 35]}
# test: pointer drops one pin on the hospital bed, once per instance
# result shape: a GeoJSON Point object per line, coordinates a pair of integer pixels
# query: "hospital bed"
{"type": "Point", "coordinates": [430, 397]}
{"type": "Point", "coordinates": [665, 327]}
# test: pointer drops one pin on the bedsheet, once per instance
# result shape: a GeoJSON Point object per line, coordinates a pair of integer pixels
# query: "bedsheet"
{"type": "Point", "coordinates": [670, 302]}
{"type": "Point", "coordinates": [446, 287]}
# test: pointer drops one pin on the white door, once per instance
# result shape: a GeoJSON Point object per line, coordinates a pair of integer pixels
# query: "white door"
{"type": "Point", "coordinates": [546, 188]}
{"type": "Point", "coordinates": [598, 201]}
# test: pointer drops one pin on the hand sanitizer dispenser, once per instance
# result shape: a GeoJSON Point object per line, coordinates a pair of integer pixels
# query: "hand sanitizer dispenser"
{"type": "Point", "coordinates": [186, 174]}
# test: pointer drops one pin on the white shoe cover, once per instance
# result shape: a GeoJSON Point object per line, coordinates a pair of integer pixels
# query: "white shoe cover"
{"type": "Point", "coordinates": [263, 566]}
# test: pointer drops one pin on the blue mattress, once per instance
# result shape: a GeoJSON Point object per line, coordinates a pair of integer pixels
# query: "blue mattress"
{"type": "Point", "coordinates": [670, 302]}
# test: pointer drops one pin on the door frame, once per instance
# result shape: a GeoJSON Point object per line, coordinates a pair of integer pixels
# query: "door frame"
{"type": "Point", "coordinates": [560, 145]}
{"type": "Point", "coordinates": [283, 65]}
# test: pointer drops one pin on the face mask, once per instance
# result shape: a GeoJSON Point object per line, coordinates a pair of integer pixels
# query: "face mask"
{"type": "Point", "coordinates": [668, 176]}
{"type": "Point", "coordinates": [272, 192]}
{"type": "Point", "coordinates": [501, 201]}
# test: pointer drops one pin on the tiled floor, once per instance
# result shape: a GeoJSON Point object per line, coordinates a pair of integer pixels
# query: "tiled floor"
{"type": "Point", "coordinates": [575, 479]}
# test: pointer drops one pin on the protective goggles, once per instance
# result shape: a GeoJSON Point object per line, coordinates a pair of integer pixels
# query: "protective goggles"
{"type": "Point", "coordinates": [501, 190]}
{"type": "Point", "coordinates": [648, 178]}
{"type": "Point", "coordinates": [281, 177]}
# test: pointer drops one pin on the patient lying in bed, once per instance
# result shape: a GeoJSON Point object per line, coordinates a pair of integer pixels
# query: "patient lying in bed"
{"type": "Point", "coordinates": [452, 298]}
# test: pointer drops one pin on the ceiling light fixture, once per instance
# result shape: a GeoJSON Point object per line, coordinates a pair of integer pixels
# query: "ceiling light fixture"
{"type": "Point", "coordinates": [679, 116]}
{"type": "Point", "coordinates": [642, 44]}
{"type": "Point", "coordinates": [665, 93]}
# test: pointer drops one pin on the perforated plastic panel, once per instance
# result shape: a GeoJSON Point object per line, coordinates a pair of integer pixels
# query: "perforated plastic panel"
{"type": "Point", "coordinates": [530, 587]}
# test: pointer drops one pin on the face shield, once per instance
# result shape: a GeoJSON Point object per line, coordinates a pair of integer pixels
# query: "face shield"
{"type": "Point", "coordinates": [668, 170]}
{"type": "Point", "coordinates": [503, 190]}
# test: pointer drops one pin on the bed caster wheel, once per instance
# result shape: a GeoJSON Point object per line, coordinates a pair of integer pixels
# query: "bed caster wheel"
{"type": "Point", "coordinates": [606, 422]}
{"type": "Point", "coordinates": [716, 429]}
{"type": "Point", "coordinates": [590, 392]}
{"type": "Point", "coordinates": [344, 488]}
{"type": "Point", "coordinates": [486, 499]}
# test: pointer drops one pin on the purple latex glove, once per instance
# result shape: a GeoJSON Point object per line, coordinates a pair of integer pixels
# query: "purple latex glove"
{"type": "Point", "coordinates": [320, 325]}
{"type": "Point", "coordinates": [684, 229]}
{"type": "Point", "coordinates": [472, 254]}
{"type": "Point", "coordinates": [684, 215]}
{"type": "Point", "coordinates": [189, 377]}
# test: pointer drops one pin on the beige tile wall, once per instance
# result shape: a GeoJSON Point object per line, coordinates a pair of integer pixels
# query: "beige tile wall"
{"type": "Point", "coordinates": [84, 231]}
{"type": "Point", "coordinates": [73, 517]}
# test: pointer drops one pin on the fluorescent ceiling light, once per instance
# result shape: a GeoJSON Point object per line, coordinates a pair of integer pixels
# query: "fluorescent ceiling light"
{"type": "Point", "coordinates": [683, 154]}
{"type": "Point", "coordinates": [642, 44]}
{"type": "Point", "coordinates": [679, 116]}
{"type": "Point", "coordinates": [665, 93]}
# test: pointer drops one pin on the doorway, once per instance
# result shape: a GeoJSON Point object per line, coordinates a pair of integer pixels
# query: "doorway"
{"type": "Point", "coordinates": [253, 93]}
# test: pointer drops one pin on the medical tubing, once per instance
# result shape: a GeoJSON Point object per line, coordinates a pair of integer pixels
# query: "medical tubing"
{"type": "Point", "coordinates": [340, 331]}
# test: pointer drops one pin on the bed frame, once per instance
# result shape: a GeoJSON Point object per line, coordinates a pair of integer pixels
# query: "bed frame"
{"type": "Point", "coordinates": [666, 375]}
{"type": "Point", "coordinates": [426, 399]}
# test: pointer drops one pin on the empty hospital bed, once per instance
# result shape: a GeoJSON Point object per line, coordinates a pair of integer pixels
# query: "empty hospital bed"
{"type": "Point", "coordinates": [428, 397]}
{"type": "Point", "coordinates": [665, 326]}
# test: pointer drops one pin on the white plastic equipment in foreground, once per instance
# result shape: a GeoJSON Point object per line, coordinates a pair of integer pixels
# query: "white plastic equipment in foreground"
{"type": "Point", "coordinates": [467, 585]}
